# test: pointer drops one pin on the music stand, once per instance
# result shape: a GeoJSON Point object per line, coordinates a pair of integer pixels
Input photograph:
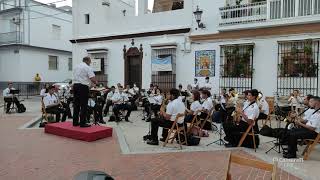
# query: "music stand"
{"type": "Point", "coordinates": [220, 141]}
{"type": "Point", "coordinates": [14, 92]}
{"type": "Point", "coordinates": [93, 94]}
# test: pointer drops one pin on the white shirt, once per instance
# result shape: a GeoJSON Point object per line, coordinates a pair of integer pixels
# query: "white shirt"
{"type": "Point", "coordinates": [195, 85]}
{"type": "Point", "coordinates": [196, 106]}
{"type": "Point", "coordinates": [207, 86]}
{"type": "Point", "coordinates": [314, 121]}
{"type": "Point", "coordinates": [176, 107]}
{"type": "Point", "coordinates": [82, 74]}
{"type": "Point", "coordinates": [118, 98]}
{"type": "Point", "coordinates": [50, 99]}
{"type": "Point", "coordinates": [43, 92]}
{"type": "Point", "coordinates": [251, 111]}
{"type": "Point", "coordinates": [6, 92]}
{"type": "Point", "coordinates": [295, 101]}
{"type": "Point", "coordinates": [207, 104]}
{"type": "Point", "coordinates": [109, 95]}
{"type": "Point", "coordinates": [156, 99]}
{"type": "Point", "coordinates": [135, 88]}
{"type": "Point", "coordinates": [308, 113]}
{"type": "Point", "coordinates": [91, 102]}
{"type": "Point", "coordinates": [264, 106]}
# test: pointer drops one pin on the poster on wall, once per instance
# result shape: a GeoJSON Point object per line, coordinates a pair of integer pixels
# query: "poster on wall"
{"type": "Point", "coordinates": [96, 65]}
{"type": "Point", "coordinates": [205, 63]}
{"type": "Point", "coordinates": [162, 64]}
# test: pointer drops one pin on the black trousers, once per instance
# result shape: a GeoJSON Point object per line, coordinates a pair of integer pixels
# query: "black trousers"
{"type": "Point", "coordinates": [57, 111]}
{"type": "Point", "coordinates": [96, 111]}
{"type": "Point", "coordinates": [10, 100]}
{"type": "Point", "coordinates": [160, 122]}
{"type": "Point", "coordinates": [108, 104]}
{"type": "Point", "coordinates": [155, 109]}
{"type": "Point", "coordinates": [233, 131]}
{"type": "Point", "coordinates": [298, 133]}
{"type": "Point", "coordinates": [188, 118]}
{"type": "Point", "coordinates": [67, 109]}
{"type": "Point", "coordinates": [80, 103]}
{"type": "Point", "coordinates": [118, 107]}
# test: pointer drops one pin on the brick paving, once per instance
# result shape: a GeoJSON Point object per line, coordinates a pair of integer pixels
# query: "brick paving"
{"type": "Point", "coordinates": [29, 154]}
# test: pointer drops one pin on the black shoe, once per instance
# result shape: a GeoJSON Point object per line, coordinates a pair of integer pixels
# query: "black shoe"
{"type": "Point", "coordinates": [152, 142]}
{"type": "Point", "coordinates": [85, 125]}
{"type": "Point", "coordinates": [229, 145]}
{"type": "Point", "coordinates": [226, 138]}
{"type": "Point", "coordinates": [148, 120]}
{"type": "Point", "coordinates": [289, 156]}
{"type": "Point", "coordinates": [126, 119]}
{"type": "Point", "coordinates": [102, 122]}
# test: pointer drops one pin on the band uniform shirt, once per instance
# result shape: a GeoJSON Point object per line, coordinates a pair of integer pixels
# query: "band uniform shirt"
{"type": "Point", "coordinates": [157, 99]}
{"type": "Point", "coordinates": [82, 74]}
{"type": "Point", "coordinates": [91, 102]}
{"type": "Point", "coordinates": [223, 100]}
{"type": "Point", "coordinates": [195, 85]}
{"type": "Point", "coordinates": [251, 111]}
{"type": "Point", "coordinates": [196, 106]}
{"type": "Point", "coordinates": [207, 86]}
{"type": "Point", "coordinates": [314, 121]}
{"type": "Point", "coordinates": [6, 92]}
{"type": "Point", "coordinates": [308, 114]}
{"type": "Point", "coordinates": [246, 103]}
{"type": "Point", "coordinates": [295, 101]}
{"type": "Point", "coordinates": [50, 99]}
{"type": "Point", "coordinates": [120, 98]}
{"type": "Point", "coordinates": [207, 104]}
{"type": "Point", "coordinates": [43, 92]}
{"type": "Point", "coordinates": [264, 106]}
{"type": "Point", "coordinates": [109, 96]}
{"type": "Point", "coordinates": [174, 108]}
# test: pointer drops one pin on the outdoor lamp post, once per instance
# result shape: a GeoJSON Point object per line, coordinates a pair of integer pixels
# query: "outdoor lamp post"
{"type": "Point", "coordinates": [197, 15]}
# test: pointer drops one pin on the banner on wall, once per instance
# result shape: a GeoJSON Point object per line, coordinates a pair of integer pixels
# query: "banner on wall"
{"type": "Point", "coordinates": [205, 63]}
{"type": "Point", "coordinates": [96, 65]}
{"type": "Point", "coordinates": [162, 64]}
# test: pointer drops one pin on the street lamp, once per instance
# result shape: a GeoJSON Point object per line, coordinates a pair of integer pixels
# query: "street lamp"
{"type": "Point", "coordinates": [197, 15]}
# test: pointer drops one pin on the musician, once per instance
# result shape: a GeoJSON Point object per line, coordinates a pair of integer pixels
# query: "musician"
{"type": "Point", "coordinates": [155, 100]}
{"type": "Point", "coordinates": [195, 85]}
{"type": "Point", "coordinates": [248, 116]}
{"type": "Point", "coordinates": [189, 98]}
{"type": "Point", "coordinates": [308, 109]}
{"type": "Point", "coordinates": [207, 106]}
{"type": "Point", "coordinates": [83, 77]}
{"type": "Point", "coordinates": [207, 85]}
{"type": "Point", "coordinates": [295, 99]}
{"type": "Point", "coordinates": [167, 118]}
{"type": "Point", "coordinates": [95, 107]}
{"type": "Point", "coordinates": [45, 90]}
{"type": "Point", "coordinates": [53, 105]}
{"type": "Point", "coordinates": [109, 100]}
{"type": "Point", "coordinates": [62, 102]}
{"type": "Point", "coordinates": [120, 101]}
{"type": "Point", "coordinates": [264, 107]}
{"type": "Point", "coordinates": [132, 96]}
{"type": "Point", "coordinates": [195, 106]}
{"type": "Point", "coordinates": [308, 129]}
{"type": "Point", "coordinates": [9, 98]}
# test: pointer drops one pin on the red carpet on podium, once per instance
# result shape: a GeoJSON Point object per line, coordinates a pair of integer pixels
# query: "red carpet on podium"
{"type": "Point", "coordinates": [66, 129]}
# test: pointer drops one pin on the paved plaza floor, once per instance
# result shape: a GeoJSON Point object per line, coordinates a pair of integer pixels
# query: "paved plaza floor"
{"type": "Point", "coordinates": [29, 153]}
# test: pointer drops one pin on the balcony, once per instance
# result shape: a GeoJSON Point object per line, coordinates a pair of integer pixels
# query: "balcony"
{"type": "Point", "coordinates": [269, 12]}
{"type": "Point", "coordinates": [11, 38]}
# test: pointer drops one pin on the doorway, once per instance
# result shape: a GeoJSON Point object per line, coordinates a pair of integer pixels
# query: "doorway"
{"type": "Point", "coordinates": [133, 66]}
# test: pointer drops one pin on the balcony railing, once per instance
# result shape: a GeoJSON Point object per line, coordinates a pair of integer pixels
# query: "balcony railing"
{"type": "Point", "coordinates": [268, 10]}
{"type": "Point", "coordinates": [11, 38]}
{"type": "Point", "coordinates": [246, 13]}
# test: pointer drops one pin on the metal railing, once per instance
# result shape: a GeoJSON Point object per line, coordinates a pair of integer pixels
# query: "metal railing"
{"type": "Point", "coordinates": [246, 13]}
{"type": "Point", "coordinates": [268, 10]}
{"type": "Point", "coordinates": [26, 88]}
{"type": "Point", "coordinates": [11, 37]}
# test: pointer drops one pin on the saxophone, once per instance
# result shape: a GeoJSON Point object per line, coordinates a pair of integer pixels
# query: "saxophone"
{"type": "Point", "coordinates": [236, 114]}
{"type": "Point", "coordinates": [164, 104]}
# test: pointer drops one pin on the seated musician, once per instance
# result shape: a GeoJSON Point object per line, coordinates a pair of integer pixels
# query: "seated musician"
{"type": "Point", "coordinates": [207, 106]}
{"type": "Point", "coordinates": [109, 100]}
{"type": "Point", "coordinates": [167, 118]}
{"type": "Point", "coordinates": [247, 116]}
{"type": "Point", "coordinates": [95, 107]}
{"type": "Point", "coordinates": [62, 101]}
{"type": "Point", "coordinates": [195, 85]}
{"type": "Point", "coordinates": [131, 95]}
{"type": "Point", "coordinates": [45, 90]}
{"type": "Point", "coordinates": [295, 99]}
{"type": "Point", "coordinates": [308, 129]}
{"type": "Point", "coordinates": [120, 101]}
{"type": "Point", "coordinates": [155, 100]}
{"type": "Point", "coordinates": [53, 105]}
{"type": "Point", "coordinates": [264, 107]}
{"type": "Point", "coordinates": [9, 98]}
{"type": "Point", "coordinates": [195, 106]}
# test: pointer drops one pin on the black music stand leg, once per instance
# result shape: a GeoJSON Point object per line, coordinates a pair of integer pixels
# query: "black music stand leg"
{"type": "Point", "coordinates": [220, 141]}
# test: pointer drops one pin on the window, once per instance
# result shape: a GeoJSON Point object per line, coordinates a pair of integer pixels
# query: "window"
{"type": "Point", "coordinates": [86, 18]}
{"type": "Point", "coordinates": [53, 62]}
{"type": "Point", "coordinates": [70, 64]}
{"type": "Point", "coordinates": [165, 5]}
{"type": "Point", "coordinates": [56, 32]}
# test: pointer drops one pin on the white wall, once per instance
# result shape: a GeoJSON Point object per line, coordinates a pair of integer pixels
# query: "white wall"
{"type": "Point", "coordinates": [9, 65]}
{"type": "Point", "coordinates": [37, 62]}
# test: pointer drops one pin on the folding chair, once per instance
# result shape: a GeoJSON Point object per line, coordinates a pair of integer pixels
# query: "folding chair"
{"type": "Point", "coordinates": [44, 115]}
{"type": "Point", "coordinates": [194, 123]}
{"type": "Point", "coordinates": [270, 101]}
{"type": "Point", "coordinates": [251, 163]}
{"type": "Point", "coordinates": [209, 119]}
{"type": "Point", "coordinates": [250, 132]}
{"type": "Point", "coordinates": [176, 130]}
{"type": "Point", "coordinates": [311, 143]}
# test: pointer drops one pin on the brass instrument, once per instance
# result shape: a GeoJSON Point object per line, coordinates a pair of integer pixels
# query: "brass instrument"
{"type": "Point", "coordinates": [236, 114]}
{"type": "Point", "coordinates": [164, 104]}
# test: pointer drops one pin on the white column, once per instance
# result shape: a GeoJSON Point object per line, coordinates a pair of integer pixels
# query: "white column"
{"type": "Point", "coordinates": [142, 7]}
{"type": "Point", "coordinates": [296, 14]}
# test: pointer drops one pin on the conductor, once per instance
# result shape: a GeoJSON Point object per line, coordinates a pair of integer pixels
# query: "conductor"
{"type": "Point", "coordinates": [83, 77]}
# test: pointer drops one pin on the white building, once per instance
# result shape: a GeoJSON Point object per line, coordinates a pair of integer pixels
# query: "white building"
{"type": "Point", "coordinates": [271, 45]}
{"type": "Point", "coordinates": [34, 38]}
